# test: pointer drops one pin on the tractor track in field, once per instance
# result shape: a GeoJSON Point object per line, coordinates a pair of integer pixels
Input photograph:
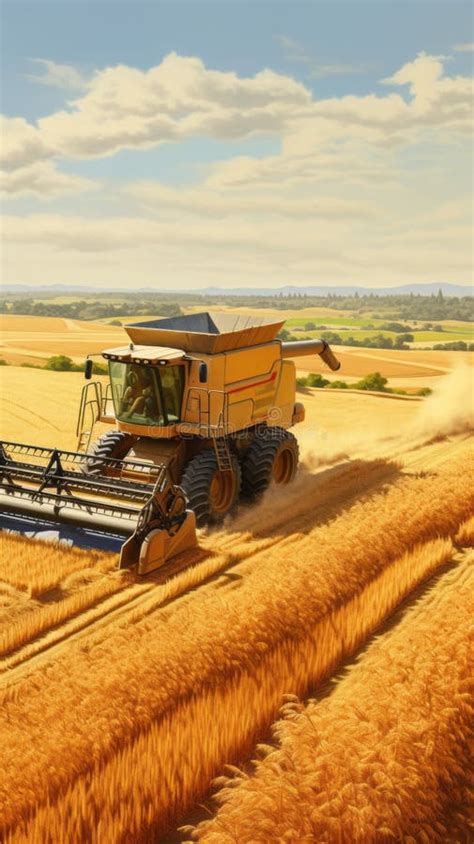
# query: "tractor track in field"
{"type": "Point", "coordinates": [32, 413]}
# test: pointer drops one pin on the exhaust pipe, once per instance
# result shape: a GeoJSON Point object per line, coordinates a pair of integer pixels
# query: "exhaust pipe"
{"type": "Point", "coordinates": [299, 348]}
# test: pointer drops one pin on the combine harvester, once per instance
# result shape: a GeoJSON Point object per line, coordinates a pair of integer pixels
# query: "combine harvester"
{"type": "Point", "coordinates": [202, 405]}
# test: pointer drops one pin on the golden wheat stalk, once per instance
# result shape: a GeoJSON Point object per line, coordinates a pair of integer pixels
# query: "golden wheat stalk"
{"type": "Point", "coordinates": [190, 691]}
{"type": "Point", "coordinates": [175, 760]}
{"type": "Point", "coordinates": [32, 625]}
{"type": "Point", "coordinates": [385, 756]}
{"type": "Point", "coordinates": [37, 566]}
{"type": "Point", "coordinates": [465, 534]}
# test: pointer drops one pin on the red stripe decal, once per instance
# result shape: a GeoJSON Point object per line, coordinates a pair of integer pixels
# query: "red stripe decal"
{"type": "Point", "coordinates": [255, 384]}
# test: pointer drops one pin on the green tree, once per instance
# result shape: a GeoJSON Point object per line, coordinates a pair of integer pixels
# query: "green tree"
{"type": "Point", "coordinates": [338, 385]}
{"type": "Point", "coordinates": [315, 379]}
{"type": "Point", "coordinates": [374, 382]}
{"type": "Point", "coordinates": [60, 363]}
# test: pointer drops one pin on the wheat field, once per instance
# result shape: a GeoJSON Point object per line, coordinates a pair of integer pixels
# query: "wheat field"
{"type": "Point", "coordinates": [236, 671]}
{"type": "Point", "coordinates": [385, 756]}
{"type": "Point", "coordinates": [150, 688]}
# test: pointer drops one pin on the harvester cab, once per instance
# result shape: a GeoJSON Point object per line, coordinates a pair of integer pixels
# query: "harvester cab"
{"type": "Point", "coordinates": [201, 407]}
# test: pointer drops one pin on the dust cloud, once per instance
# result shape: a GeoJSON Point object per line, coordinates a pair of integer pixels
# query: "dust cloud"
{"type": "Point", "coordinates": [450, 409]}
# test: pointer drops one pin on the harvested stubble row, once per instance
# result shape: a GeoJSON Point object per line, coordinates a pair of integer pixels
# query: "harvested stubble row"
{"type": "Point", "coordinates": [162, 704]}
{"type": "Point", "coordinates": [37, 567]}
{"type": "Point", "coordinates": [385, 757]}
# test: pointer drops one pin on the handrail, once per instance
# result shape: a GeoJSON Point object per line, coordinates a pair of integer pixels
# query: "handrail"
{"type": "Point", "coordinates": [85, 401]}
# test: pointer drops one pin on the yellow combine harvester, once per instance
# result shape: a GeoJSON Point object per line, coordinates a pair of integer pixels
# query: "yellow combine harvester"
{"type": "Point", "coordinates": [201, 405]}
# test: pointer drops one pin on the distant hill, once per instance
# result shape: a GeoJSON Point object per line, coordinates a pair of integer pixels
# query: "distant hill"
{"type": "Point", "coordinates": [310, 290]}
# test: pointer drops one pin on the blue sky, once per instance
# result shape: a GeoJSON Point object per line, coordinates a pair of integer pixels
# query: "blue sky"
{"type": "Point", "coordinates": [339, 52]}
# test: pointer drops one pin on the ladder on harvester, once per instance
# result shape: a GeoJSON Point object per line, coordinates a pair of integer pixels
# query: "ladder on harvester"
{"type": "Point", "coordinates": [221, 444]}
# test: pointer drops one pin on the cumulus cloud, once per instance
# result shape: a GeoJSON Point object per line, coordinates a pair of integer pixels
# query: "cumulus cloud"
{"type": "Point", "coordinates": [22, 144]}
{"type": "Point", "coordinates": [179, 98]}
{"type": "Point", "coordinates": [58, 76]}
{"type": "Point", "coordinates": [127, 108]}
{"type": "Point", "coordinates": [26, 166]}
{"type": "Point", "coordinates": [365, 189]}
{"type": "Point", "coordinates": [42, 180]}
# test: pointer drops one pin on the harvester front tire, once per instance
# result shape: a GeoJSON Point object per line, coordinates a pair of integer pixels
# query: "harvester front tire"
{"type": "Point", "coordinates": [212, 494]}
{"type": "Point", "coordinates": [272, 456]}
{"type": "Point", "coordinates": [114, 445]}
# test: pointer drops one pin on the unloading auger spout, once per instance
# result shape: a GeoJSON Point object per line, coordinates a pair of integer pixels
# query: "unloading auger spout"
{"type": "Point", "coordinates": [302, 348]}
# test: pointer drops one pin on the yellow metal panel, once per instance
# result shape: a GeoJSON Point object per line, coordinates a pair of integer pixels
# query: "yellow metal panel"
{"type": "Point", "coordinates": [283, 405]}
{"type": "Point", "coordinates": [250, 363]}
{"type": "Point", "coordinates": [240, 415]}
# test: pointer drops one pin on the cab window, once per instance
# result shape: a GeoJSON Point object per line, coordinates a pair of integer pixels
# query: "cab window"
{"type": "Point", "coordinates": [146, 395]}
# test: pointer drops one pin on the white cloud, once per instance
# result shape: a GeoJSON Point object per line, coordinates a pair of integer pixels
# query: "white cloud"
{"type": "Point", "coordinates": [180, 98]}
{"type": "Point", "coordinates": [206, 200]}
{"type": "Point", "coordinates": [401, 243]}
{"type": "Point", "coordinates": [42, 180]}
{"type": "Point", "coordinates": [26, 165]}
{"type": "Point", "coordinates": [58, 76]}
{"type": "Point", "coordinates": [126, 108]}
{"type": "Point", "coordinates": [365, 188]}
{"type": "Point", "coordinates": [22, 144]}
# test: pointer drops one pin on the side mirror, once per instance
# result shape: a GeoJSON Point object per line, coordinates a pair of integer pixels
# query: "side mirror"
{"type": "Point", "coordinates": [203, 373]}
{"type": "Point", "coordinates": [88, 366]}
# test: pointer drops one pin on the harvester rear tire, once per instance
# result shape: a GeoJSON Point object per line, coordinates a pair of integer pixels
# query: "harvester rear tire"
{"type": "Point", "coordinates": [212, 494]}
{"type": "Point", "coordinates": [272, 456]}
{"type": "Point", "coordinates": [113, 444]}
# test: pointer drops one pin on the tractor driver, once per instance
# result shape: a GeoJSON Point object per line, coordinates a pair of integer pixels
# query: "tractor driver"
{"type": "Point", "coordinates": [132, 391]}
{"type": "Point", "coordinates": [146, 405]}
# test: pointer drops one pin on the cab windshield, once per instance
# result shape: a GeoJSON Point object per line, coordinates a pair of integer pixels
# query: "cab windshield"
{"type": "Point", "coordinates": [146, 395]}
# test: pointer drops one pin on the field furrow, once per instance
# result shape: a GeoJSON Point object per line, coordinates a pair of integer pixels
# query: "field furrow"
{"type": "Point", "coordinates": [385, 756]}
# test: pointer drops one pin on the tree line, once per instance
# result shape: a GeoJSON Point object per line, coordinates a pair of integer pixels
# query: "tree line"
{"type": "Point", "coordinates": [405, 307]}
